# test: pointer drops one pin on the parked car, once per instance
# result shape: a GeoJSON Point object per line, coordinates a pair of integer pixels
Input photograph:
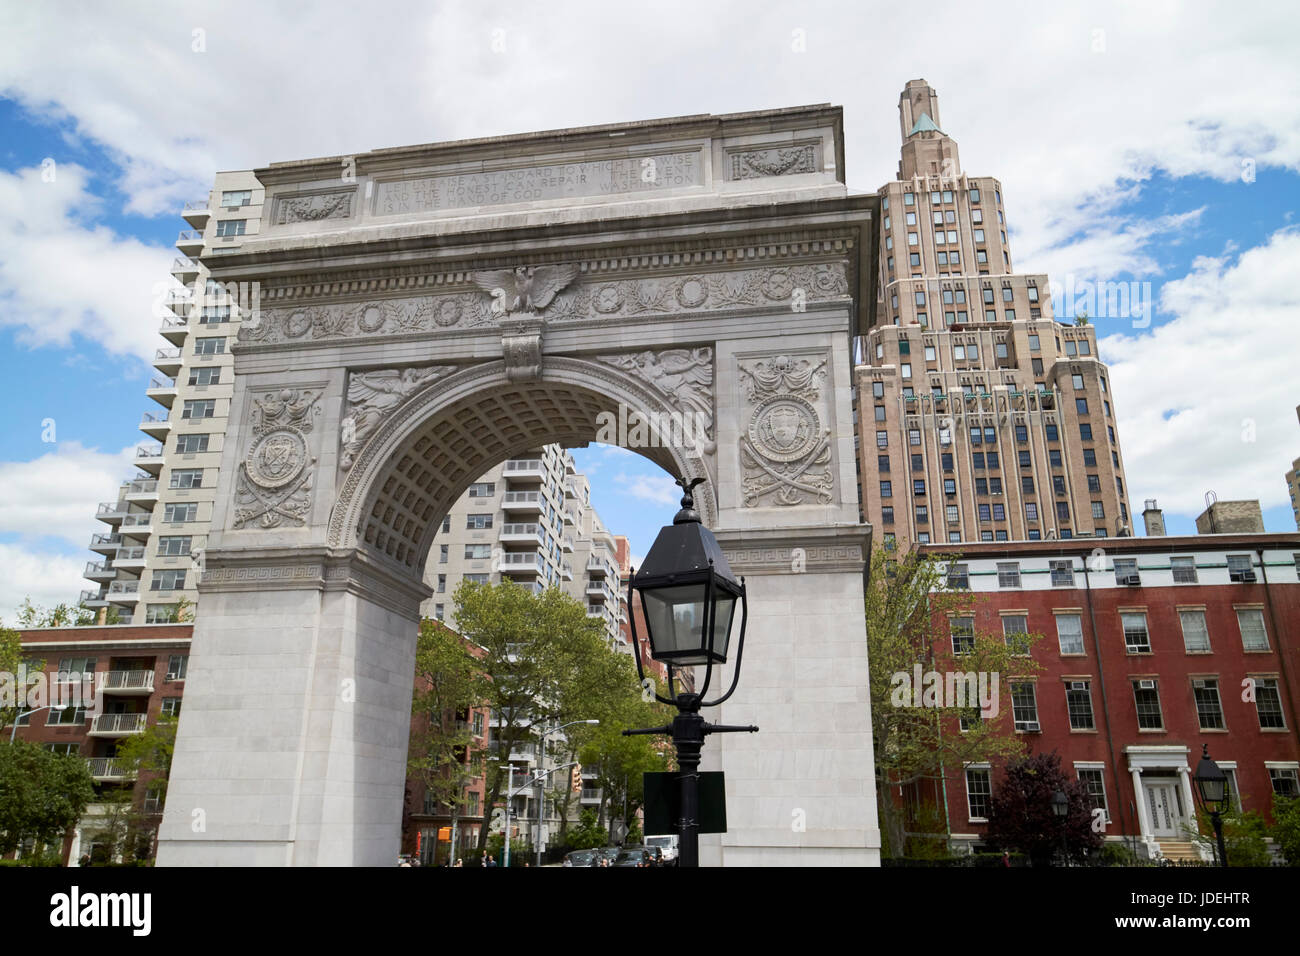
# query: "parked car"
{"type": "Point", "coordinates": [580, 858]}
{"type": "Point", "coordinates": [609, 854]}
{"type": "Point", "coordinates": [668, 844]}
{"type": "Point", "coordinates": [635, 856]}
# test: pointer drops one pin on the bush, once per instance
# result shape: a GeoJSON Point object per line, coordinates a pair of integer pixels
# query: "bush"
{"type": "Point", "coordinates": [1286, 828]}
{"type": "Point", "coordinates": [1243, 835]}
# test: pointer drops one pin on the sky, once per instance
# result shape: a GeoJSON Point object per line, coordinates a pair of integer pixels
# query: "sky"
{"type": "Point", "coordinates": [1154, 143]}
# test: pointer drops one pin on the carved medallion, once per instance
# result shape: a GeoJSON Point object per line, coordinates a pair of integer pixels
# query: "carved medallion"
{"type": "Point", "coordinates": [784, 428]}
{"type": "Point", "coordinates": [786, 450]}
{"type": "Point", "coordinates": [277, 458]}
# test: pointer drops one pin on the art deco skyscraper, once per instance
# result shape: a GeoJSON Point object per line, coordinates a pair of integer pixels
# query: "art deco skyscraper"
{"type": "Point", "coordinates": [981, 417]}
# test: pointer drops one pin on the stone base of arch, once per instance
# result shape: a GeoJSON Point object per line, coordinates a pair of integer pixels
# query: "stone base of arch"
{"type": "Point", "coordinates": [292, 743]}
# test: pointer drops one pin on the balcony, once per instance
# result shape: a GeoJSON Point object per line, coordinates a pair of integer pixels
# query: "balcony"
{"type": "Point", "coordinates": [570, 517]}
{"type": "Point", "coordinates": [100, 571]}
{"type": "Point", "coordinates": [137, 525]}
{"type": "Point", "coordinates": [590, 795]}
{"type": "Point", "coordinates": [124, 592]}
{"type": "Point", "coordinates": [595, 589]}
{"type": "Point", "coordinates": [598, 567]}
{"type": "Point", "coordinates": [141, 491]}
{"type": "Point", "coordinates": [149, 458]}
{"type": "Point", "coordinates": [105, 543]}
{"type": "Point", "coordinates": [521, 534]}
{"type": "Point", "coordinates": [163, 390]}
{"type": "Point", "coordinates": [92, 599]}
{"type": "Point", "coordinates": [112, 512]}
{"type": "Point", "coordinates": [566, 572]}
{"type": "Point", "coordinates": [566, 543]}
{"type": "Point", "coordinates": [167, 361]}
{"type": "Point", "coordinates": [190, 242]}
{"type": "Point", "coordinates": [107, 769]}
{"type": "Point", "coordinates": [136, 682]}
{"type": "Point", "coordinates": [597, 610]}
{"type": "Point", "coordinates": [524, 562]}
{"type": "Point", "coordinates": [524, 469]}
{"type": "Point", "coordinates": [130, 559]}
{"type": "Point", "coordinates": [185, 269]}
{"type": "Point", "coordinates": [156, 426]}
{"type": "Point", "coordinates": [522, 501]}
{"type": "Point", "coordinates": [117, 725]}
{"type": "Point", "coordinates": [197, 213]}
{"type": "Point", "coordinates": [175, 330]}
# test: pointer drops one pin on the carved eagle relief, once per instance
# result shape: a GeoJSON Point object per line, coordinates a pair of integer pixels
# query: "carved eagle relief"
{"type": "Point", "coordinates": [524, 288]}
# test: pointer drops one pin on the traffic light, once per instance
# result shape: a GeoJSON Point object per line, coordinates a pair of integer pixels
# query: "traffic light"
{"type": "Point", "coordinates": [575, 781]}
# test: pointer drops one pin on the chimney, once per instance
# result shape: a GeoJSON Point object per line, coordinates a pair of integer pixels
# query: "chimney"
{"type": "Point", "coordinates": [1154, 519]}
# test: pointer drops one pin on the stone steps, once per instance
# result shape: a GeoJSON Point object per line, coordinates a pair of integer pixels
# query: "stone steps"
{"type": "Point", "coordinates": [1179, 850]}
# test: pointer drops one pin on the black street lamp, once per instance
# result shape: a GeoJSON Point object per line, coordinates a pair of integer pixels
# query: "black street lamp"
{"type": "Point", "coordinates": [689, 597]}
{"type": "Point", "coordinates": [1212, 783]}
{"type": "Point", "coordinates": [1061, 807]}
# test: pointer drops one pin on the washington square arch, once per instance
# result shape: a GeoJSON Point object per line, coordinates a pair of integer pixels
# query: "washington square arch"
{"type": "Point", "coordinates": [429, 311]}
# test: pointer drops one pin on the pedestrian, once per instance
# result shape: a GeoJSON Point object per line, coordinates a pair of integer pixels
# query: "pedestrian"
{"type": "Point", "coordinates": [459, 862]}
{"type": "Point", "coordinates": [1006, 858]}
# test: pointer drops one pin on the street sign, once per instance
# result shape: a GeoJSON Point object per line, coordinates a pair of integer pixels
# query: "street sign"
{"type": "Point", "coordinates": [663, 796]}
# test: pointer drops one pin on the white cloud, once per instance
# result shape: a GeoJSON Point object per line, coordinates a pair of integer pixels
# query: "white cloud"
{"type": "Point", "coordinates": [1207, 400]}
{"type": "Point", "coordinates": [56, 495]}
{"type": "Point", "coordinates": [48, 579]}
{"type": "Point", "coordinates": [60, 274]}
{"type": "Point", "coordinates": [659, 489]}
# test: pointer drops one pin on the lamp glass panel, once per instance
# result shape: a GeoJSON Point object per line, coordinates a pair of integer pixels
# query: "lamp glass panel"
{"type": "Point", "coordinates": [675, 619]}
{"type": "Point", "coordinates": [1212, 788]}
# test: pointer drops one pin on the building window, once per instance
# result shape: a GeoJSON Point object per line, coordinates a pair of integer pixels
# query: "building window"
{"type": "Point", "coordinates": [1090, 459]}
{"type": "Point", "coordinates": [962, 630]}
{"type": "Point", "coordinates": [1238, 566]}
{"type": "Point", "coordinates": [231, 198]}
{"type": "Point", "coordinates": [914, 436]}
{"type": "Point", "coordinates": [1184, 570]}
{"type": "Point", "coordinates": [1031, 511]}
{"type": "Point", "coordinates": [1058, 481]}
{"type": "Point", "coordinates": [187, 478]}
{"type": "Point", "coordinates": [918, 487]}
{"type": "Point", "coordinates": [1094, 484]}
{"type": "Point", "coordinates": [880, 413]}
{"type": "Point", "coordinates": [231, 227]}
{"type": "Point", "coordinates": [1253, 636]}
{"type": "Point", "coordinates": [477, 552]}
{"type": "Point", "coordinates": [1078, 703]}
{"type": "Point", "coordinates": [210, 346]}
{"type": "Point", "coordinates": [1015, 633]}
{"type": "Point", "coordinates": [170, 579]}
{"type": "Point", "coordinates": [1036, 364]}
{"type": "Point", "coordinates": [887, 515]}
{"type": "Point", "coordinates": [1098, 511]}
{"type": "Point", "coordinates": [1136, 638]}
{"type": "Point", "coordinates": [477, 522]}
{"type": "Point", "coordinates": [1024, 706]}
{"type": "Point", "coordinates": [438, 612]}
{"type": "Point", "coordinates": [174, 545]}
{"type": "Point", "coordinates": [985, 513]}
{"type": "Point", "coordinates": [922, 515]}
{"type": "Point", "coordinates": [1062, 574]}
{"type": "Point", "coordinates": [1146, 697]}
{"type": "Point", "coordinates": [949, 486]}
{"type": "Point", "coordinates": [886, 489]}
{"type": "Point", "coordinates": [1268, 704]}
{"type": "Point", "coordinates": [442, 584]}
{"type": "Point", "coordinates": [1209, 711]}
{"type": "Point", "coordinates": [1024, 459]}
{"type": "Point", "coordinates": [482, 489]}
{"type": "Point", "coordinates": [442, 553]}
{"type": "Point", "coordinates": [1063, 512]}
{"type": "Point", "coordinates": [205, 375]}
{"type": "Point", "coordinates": [1285, 781]}
{"type": "Point", "coordinates": [1085, 431]}
{"type": "Point", "coordinates": [1196, 637]}
{"type": "Point", "coordinates": [191, 444]}
{"type": "Point", "coordinates": [171, 707]}
{"type": "Point", "coordinates": [882, 463]}
{"type": "Point", "coordinates": [979, 792]}
{"type": "Point", "coordinates": [952, 514]}
{"type": "Point", "coordinates": [1069, 633]}
{"type": "Point", "coordinates": [180, 512]}
{"type": "Point", "coordinates": [199, 408]}
{"type": "Point", "coordinates": [1094, 780]}
{"type": "Point", "coordinates": [1050, 433]}
{"type": "Point", "coordinates": [1008, 574]}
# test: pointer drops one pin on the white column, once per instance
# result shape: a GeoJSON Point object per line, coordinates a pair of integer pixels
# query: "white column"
{"type": "Point", "coordinates": [1189, 800]}
{"type": "Point", "coordinates": [1144, 820]}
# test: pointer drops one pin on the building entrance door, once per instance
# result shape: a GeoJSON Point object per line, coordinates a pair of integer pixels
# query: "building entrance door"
{"type": "Point", "coordinates": [1163, 804]}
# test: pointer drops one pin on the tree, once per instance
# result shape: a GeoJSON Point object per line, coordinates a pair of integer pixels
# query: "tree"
{"type": "Point", "coordinates": [587, 834]}
{"type": "Point", "coordinates": [1244, 836]}
{"type": "Point", "coordinates": [1286, 828]}
{"type": "Point", "coordinates": [150, 753]}
{"type": "Point", "coordinates": [42, 794]}
{"type": "Point", "coordinates": [62, 615]}
{"type": "Point", "coordinates": [537, 649]}
{"type": "Point", "coordinates": [449, 682]}
{"type": "Point", "coordinates": [1021, 816]}
{"type": "Point", "coordinates": [1081, 319]}
{"type": "Point", "coordinates": [910, 607]}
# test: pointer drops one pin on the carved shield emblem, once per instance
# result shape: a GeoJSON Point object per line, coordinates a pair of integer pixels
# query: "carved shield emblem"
{"type": "Point", "coordinates": [784, 428]}
{"type": "Point", "coordinates": [277, 458]}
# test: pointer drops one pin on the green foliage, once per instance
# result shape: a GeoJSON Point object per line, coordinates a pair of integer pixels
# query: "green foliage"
{"type": "Point", "coordinates": [588, 834]}
{"type": "Point", "coordinates": [1244, 836]}
{"type": "Point", "coordinates": [42, 794]}
{"type": "Point", "coordinates": [122, 831]}
{"type": "Point", "coordinates": [519, 850]}
{"type": "Point", "coordinates": [929, 841]}
{"type": "Point", "coordinates": [449, 681]}
{"type": "Point", "coordinates": [1286, 828]}
{"type": "Point", "coordinates": [908, 605]}
{"type": "Point", "coordinates": [1082, 319]}
{"type": "Point", "coordinates": [634, 834]}
{"type": "Point", "coordinates": [1114, 853]}
{"type": "Point", "coordinates": [62, 615]}
{"type": "Point", "coordinates": [151, 753]}
{"type": "Point", "coordinates": [1021, 815]}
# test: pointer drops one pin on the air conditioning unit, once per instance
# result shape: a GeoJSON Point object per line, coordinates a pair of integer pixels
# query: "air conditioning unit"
{"type": "Point", "coordinates": [1132, 580]}
{"type": "Point", "coordinates": [1248, 577]}
{"type": "Point", "coordinates": [1199, 684]}
{"type": "Point", "coordinates": [1077, 685]}
{"type": "Point", "coordinates": [1146, 685]}
{"type": "Point", "coordinates": [173, 675]}
{"type": "Point", "coordinates": [1031, 727]}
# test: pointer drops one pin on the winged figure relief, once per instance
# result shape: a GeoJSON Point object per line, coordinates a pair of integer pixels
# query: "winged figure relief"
{"type": "Point", "coordinates": [524, 288]}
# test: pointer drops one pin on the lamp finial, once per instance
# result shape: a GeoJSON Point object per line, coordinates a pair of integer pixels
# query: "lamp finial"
{"type": "Point", "coordinates": [688, 514]}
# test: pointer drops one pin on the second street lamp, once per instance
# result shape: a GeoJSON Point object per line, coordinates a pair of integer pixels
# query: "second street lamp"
{"type": "Point", "coordinates": [1213, 786]}
{"type": "Point", "coordinates": [689, 597]}
{"type": "Point", "coordinates": [1061, 808]}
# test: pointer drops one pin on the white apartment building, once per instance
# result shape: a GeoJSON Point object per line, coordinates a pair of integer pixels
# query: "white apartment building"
{"type": "Point", "coordinates": [159, 520]}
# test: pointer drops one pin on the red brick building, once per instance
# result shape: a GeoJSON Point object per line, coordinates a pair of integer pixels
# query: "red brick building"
{"type": "Point", "coordinates": [1151, 647]}
{"type": "Point", "coordinates": [139, 676]}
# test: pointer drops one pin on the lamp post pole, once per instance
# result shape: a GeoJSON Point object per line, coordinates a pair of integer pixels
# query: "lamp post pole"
{"type": "Point", "coordinates": [1212, 783]}
{"type": "Point", "coordinates": [27, 713]}
{"type": "Point", "coordinates": [541, 792]}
